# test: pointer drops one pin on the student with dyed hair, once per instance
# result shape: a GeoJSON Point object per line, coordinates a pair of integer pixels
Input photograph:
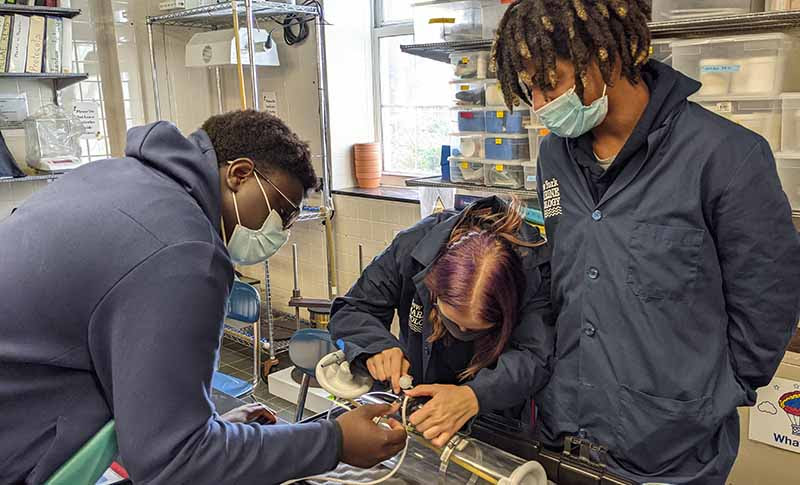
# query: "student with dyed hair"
{"type": "Point", "coordinates": [471, 293]}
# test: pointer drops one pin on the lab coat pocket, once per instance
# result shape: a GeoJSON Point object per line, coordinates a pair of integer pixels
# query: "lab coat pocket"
{"type": "Point", "coordinates": [663, 261]}
{"type": "Point", "coordinates": [654, 432]}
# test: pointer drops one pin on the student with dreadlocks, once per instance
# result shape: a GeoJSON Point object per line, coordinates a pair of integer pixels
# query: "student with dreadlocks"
{"type": "Point", "coordinates": [675, 265]}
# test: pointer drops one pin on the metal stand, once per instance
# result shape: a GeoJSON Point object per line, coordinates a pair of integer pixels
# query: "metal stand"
{"type": "Point", "coordinates": [219, 16]}
{"type": "Point", "coordinates": [301, 398]}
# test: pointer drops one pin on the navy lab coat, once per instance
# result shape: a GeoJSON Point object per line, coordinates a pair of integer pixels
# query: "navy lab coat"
{"type": "Point", "coordinates": [393, 282]}
{"type": "Point", "coordinates": [676, 285]}
{"type": "Point", "coordinates": [112, 295]}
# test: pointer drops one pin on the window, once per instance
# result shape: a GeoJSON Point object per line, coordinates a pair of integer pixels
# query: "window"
{"type": "Point", "coordinates": [413, 109]}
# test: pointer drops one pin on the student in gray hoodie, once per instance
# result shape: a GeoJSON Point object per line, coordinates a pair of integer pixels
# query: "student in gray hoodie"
{"type": "Point", "coordinates": [112, 296]}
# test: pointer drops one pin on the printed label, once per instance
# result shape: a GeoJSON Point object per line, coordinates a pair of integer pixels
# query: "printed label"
{"type": "Point", "coordinates": [501, 114]}
{"type": "Point", "coordinates": [415, 317]}
{"type": "Point", "coordinates": [465, 87]}
{"type": "Point", "coordinates": [531, 178]}
{"type": "Point", "coordinates": [464, 165]}
{"type": "Point", "coordinates": [721, 68]}
{"type": "Point", "coordinates": [499, 168]}
{"type": "Point", "coordinates": [498, 141]}
{"type": "Point", "coordinates": [724, 107]}
{"type": "Point", "coordinates": [551, 195]}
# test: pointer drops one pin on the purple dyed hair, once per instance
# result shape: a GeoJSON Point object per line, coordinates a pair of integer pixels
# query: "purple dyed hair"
{"type": "Point", "coordinates": [480, 273]}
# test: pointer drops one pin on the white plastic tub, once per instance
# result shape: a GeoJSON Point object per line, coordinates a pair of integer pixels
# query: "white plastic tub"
{"type": "Point", "coordinates": [789, 173]}
{"type": "Point", "coordinates": [754, 65]}
{"type": "Point", "coordinates": [508, 174]}
{"type": "Point", "coordinates": [762, 116]}
{"type": "Point", "coordinates": [790, 134]}
{"type": "Point", "coordinates": [687, 9]}
{"type": "Point", "coordinates": [467, 145]}
{"type": "Point", "coordinates": [535, 136]}
{"type": "Point", "coordinates": [443, 20]}
{"type": "Point", "coordinates": [467, 170]}
{"type": "Point", "coordinates": [493, 11]}
{"type": "Point", "coordinates": [470, 64]}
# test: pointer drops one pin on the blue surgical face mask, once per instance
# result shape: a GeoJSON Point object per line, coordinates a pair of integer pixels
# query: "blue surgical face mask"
{"type": "Point", "coordinates": [568, 117]}
{"type": "Point", "coordinates": [251, 246]}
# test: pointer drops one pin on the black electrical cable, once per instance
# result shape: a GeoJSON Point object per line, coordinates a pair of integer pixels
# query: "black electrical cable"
{"type": "Point", "coordinates": [289, 36]}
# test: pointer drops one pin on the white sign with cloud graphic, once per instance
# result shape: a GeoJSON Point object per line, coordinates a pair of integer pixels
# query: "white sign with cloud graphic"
{"type": "Point", "coordinates": [769, 423]}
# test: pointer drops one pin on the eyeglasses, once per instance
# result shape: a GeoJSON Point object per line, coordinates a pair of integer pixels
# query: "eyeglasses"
{"type": "Point", "coordinates": [288, 217]}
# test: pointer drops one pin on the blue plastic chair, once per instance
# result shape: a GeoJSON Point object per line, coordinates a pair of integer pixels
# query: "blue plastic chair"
{"type": "Point", "coordinates": [306, 348]}
{"type": "Point", "coordinates": [244, 305]}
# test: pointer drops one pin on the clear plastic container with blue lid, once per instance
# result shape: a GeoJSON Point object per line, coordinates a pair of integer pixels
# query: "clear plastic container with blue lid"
{"type": "Point", "coordinates": [469, 120]}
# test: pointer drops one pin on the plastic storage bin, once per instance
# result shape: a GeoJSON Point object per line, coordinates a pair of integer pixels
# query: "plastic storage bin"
{"type": "Point", "coordinates": [760, 115]}
{"type": "Point", "coordinates": [470, 120]}
{"type": "Point", "coordinates": [467, 170]}
{"type": "Point", "coordinates": [687, 9]}
{"type": "Point", "coordinates": [500, 120]}
{"type": "Point", "coordinates": [470, 64]}
{"type": "Point", "coordinates": [493, 11]}
{"type": "Point", "coordinates": [773, 5]}
{"type": "Point", "coordinates": [509, 175]}
{"type": "Point", "coordinates": [469, 93]}
{"type": "Point", "coordinates": [467, 145]}
{"type": "Point", "coordinates": [507, 147]}
{"type": "Point", "coordinates": [661, 50]}
{"type": "Point", "coordinates": [443, 20]}
{"type": "Point", "coordinates": [790, 134]}
{"type": "Point", "coordinates": [529, 171]}
{"type": "Point", "coordinates": [759, 64]}
{"type": "Point", "coordinates": [535, 136]}
{"type": "Point", "coordinates": [789, 173]}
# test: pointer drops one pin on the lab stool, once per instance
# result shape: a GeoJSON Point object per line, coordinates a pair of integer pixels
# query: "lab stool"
{"type": "Point", "coordinates": [244, 305]}
{"type": "Point", "coordinates": [306, 348]}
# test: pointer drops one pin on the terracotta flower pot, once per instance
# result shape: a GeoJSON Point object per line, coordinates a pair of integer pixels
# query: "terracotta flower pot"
{"type": "Point", "coordinates": [367, 158]}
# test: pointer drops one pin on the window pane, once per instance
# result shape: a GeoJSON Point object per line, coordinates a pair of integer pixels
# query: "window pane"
{"type": "Point", "coordinates": [415, 114]}
{"type": "Point", "coordinates": [393, 11]}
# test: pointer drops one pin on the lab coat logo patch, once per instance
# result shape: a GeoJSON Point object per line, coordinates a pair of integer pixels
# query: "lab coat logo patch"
{"type": "Point", "coordinates": [551, 195]}
{"type": "Point", "coordinates": [415, 317]}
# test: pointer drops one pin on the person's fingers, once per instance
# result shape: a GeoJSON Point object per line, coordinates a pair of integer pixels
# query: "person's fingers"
{"type": "Point", "coordinates": [374, 410]}
{"type": "Point", "coordinates": [380, 370]}
{"type": "Point", "coordinates": [442, 439]}
{"type": "Point", "coordinates": [394, 424]}
{"type": "Point", "coordinates": [405, 367]}
{"type": "Point", "coordinates": [395, 436]}
{"type": "Point", "coordinates": [396, 368]}
{"type": "Point", "coordinates": [423, 390]}
{"type": "Point", "coordinates": [433, 432]}
{"type": "Point", "coordinates": [421, 415]}
{"type": "Point", "coordinates": [371, 368]}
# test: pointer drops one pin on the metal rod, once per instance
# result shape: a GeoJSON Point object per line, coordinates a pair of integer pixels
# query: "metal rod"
{"type": "Point", "coordinates": [296, 290]}
{"type": "Point", "coordinates": [256, 354]}
{"type": "Point", "coordinates": [301, 397]}
{"type": "Point", "coordinates": [220, 105]}
{"type": "Point", "coordinates": [251, 48]}
{"type": "Point", "coordinates": [268, 311]}
{"type": "Point", "coordinates": [239, 68]}
{"type": "Point", "coordinates": [156, 97]}
{"type": "Point", "coordinates": [324, 109]}
{"type": "Point", "coordinates": [360, 259]}
{"type": "Point", "coordinates": [330, 251]}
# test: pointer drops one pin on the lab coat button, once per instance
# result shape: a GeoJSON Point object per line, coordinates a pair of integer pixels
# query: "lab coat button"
{"type": "Point", "coordinates": [597, 215]}
{"type": "Point", "coordinates": [593, 273]}
{"type": "Point", "coordinates": [589, 329]}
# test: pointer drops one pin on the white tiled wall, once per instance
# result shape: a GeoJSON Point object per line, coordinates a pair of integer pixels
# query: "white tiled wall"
{"type": "Point", "coordinates": [370, 222]}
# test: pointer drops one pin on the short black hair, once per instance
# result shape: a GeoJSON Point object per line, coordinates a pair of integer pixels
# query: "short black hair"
{"type": "Point", "coordinates": [539, 31]}
{"type": "Point", "coordinates": [263, 138]}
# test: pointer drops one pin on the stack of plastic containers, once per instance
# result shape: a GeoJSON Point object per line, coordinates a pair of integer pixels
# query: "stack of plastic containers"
{"type": "Point", "coordinates": [457, 20]}
{"type": "Point", "coordinates": [788, 160]}
{"type": "Point", "coordinates": [743, 79]}
{"type": "Point", "coordinates": [489, 143]}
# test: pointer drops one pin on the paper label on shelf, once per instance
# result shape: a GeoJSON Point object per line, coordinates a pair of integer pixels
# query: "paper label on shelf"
{"type": "Point", "coordinates": [544, 132]}
{"type": "Point", "coordinates": [464, 165]}
{"type": "Point", "coordinates": [531, 178]}
{"type": "Point", "coordinates": [465, 87]}
{"type": "Point", "coordinates": [501, 114]}
{"type": "Point", "coordinates": [270, 102]}
{"type": "Point", "coordinates": [465, 60]}
{"type": "Point", "coordinates": [87, 112]}
{"type": "Point", "coordinates": [498, 141]}
{"type": "Point", "coordinates": [724, 107]}
{"type": "Point", "coordinates": [442, 20]}
{"type": "Point", "coordinates": [721, 68]}
{"type": "Point", "coordinates": [13, 111]}
{"type": "Point", "coordinates": [499, 168]}
{"type": "Point", "coordinates": [775, 419]}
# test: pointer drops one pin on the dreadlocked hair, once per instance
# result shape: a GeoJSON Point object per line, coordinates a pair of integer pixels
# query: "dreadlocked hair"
{"type": "Point", "coordinates": [540, 31]}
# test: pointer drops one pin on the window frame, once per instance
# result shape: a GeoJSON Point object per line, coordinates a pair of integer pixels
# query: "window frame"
{"type": "Point", "coordinates": [381, 30]}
